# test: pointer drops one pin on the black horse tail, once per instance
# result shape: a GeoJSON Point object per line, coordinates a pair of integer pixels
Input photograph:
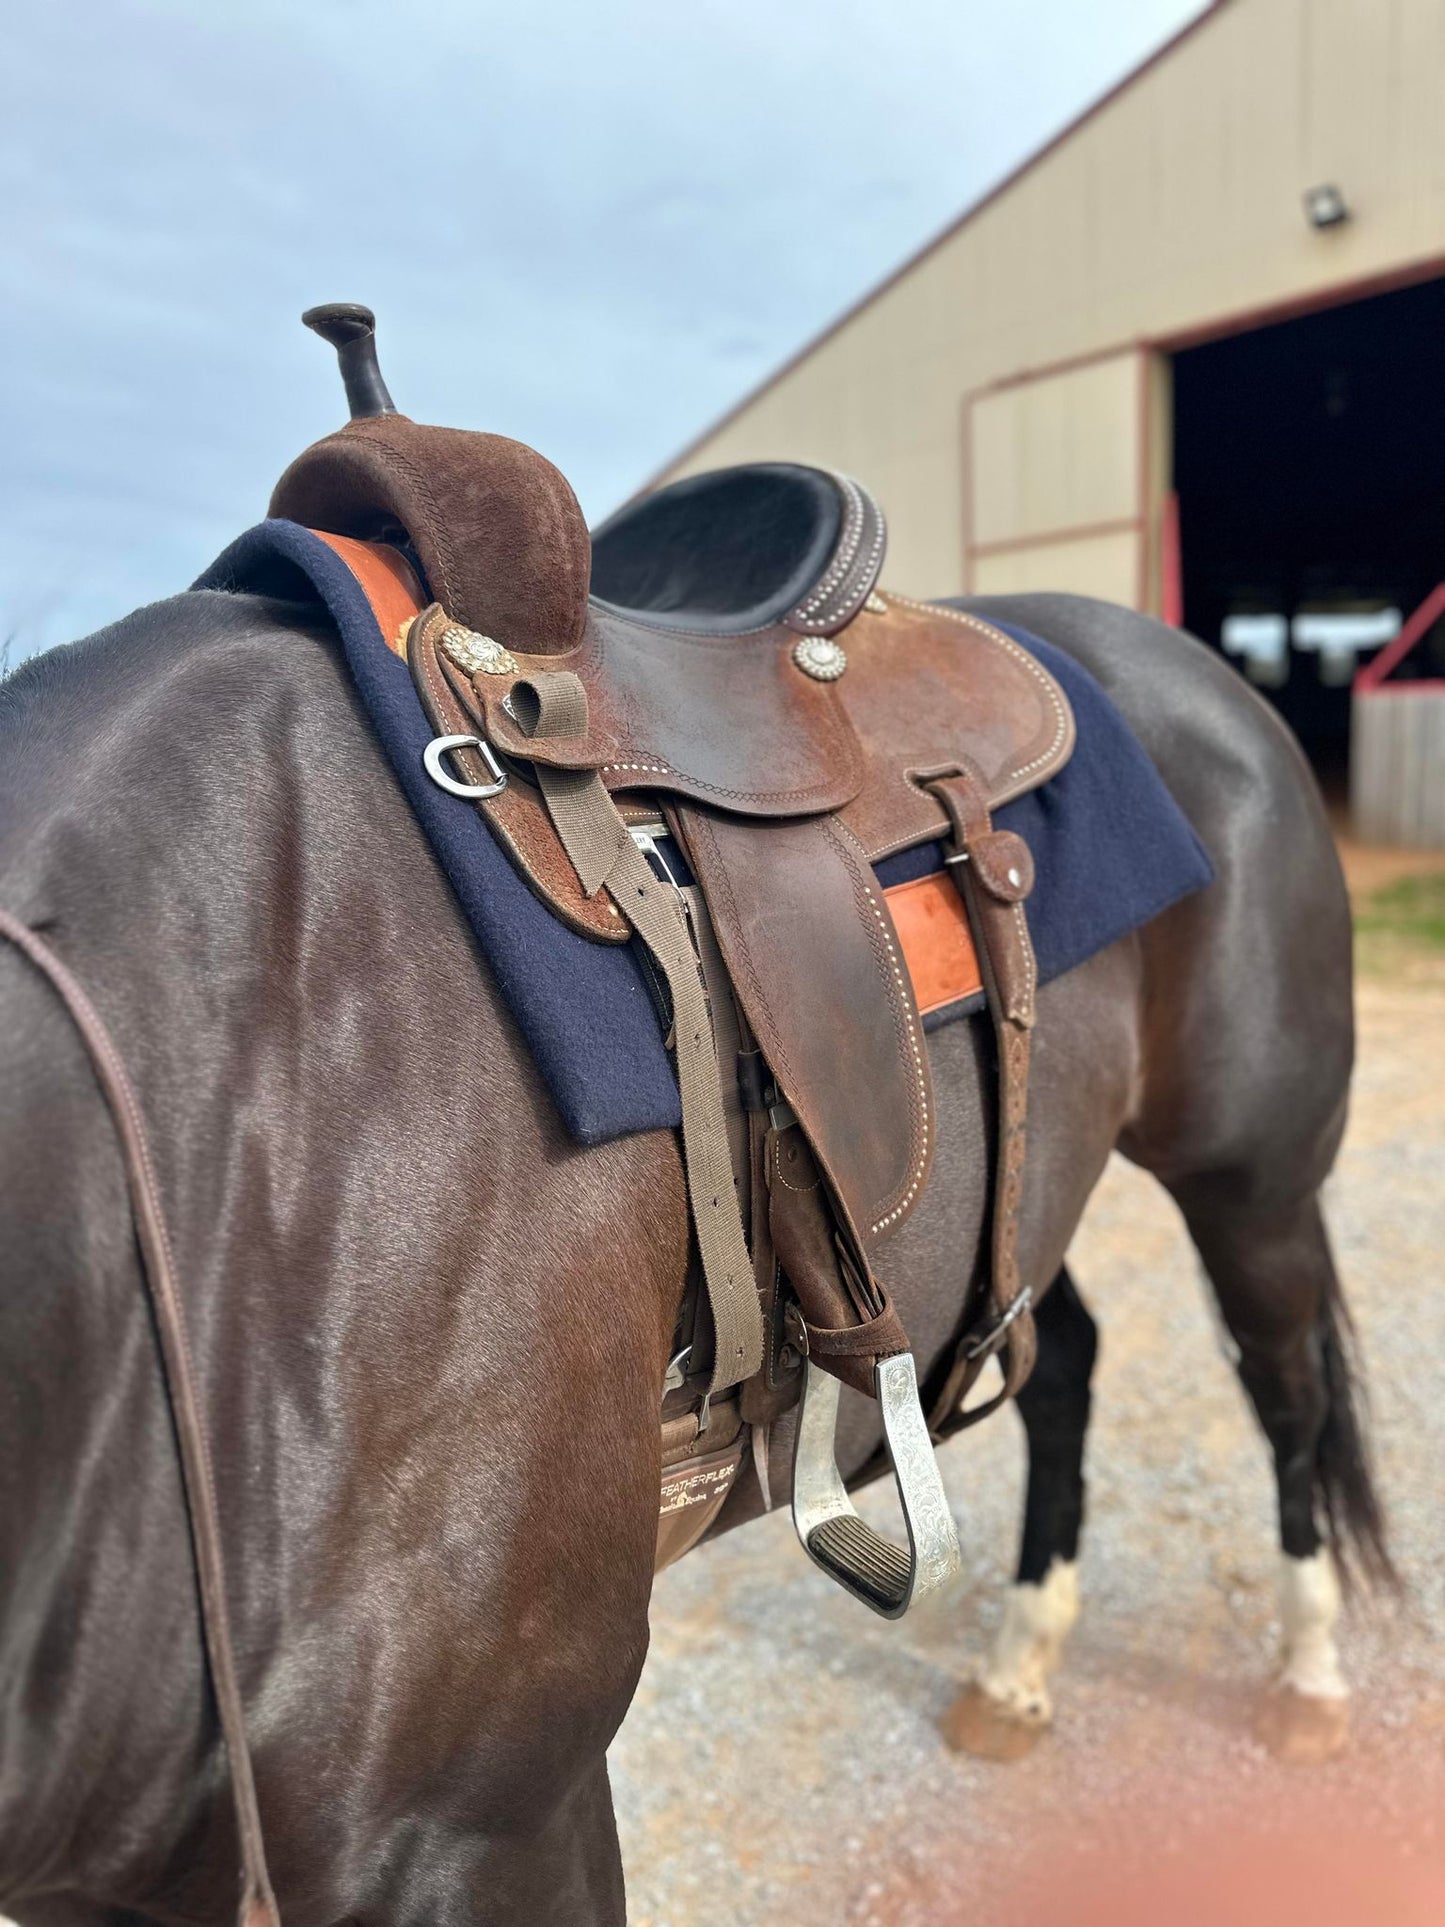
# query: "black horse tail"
{"type": "Point", "coordinates": [1344, 1473]}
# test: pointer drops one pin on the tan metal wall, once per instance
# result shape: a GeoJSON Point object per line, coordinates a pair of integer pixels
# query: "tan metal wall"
{"type": "Point", "coordinates": [1054, 480]}
{"type": "Point", "coordinates": [1178, 205]}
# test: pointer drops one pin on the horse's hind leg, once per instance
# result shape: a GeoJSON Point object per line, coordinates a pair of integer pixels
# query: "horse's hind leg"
{"type": "Point", "coordinates": [1008, 1707]}
{"type": "Point", "coordinates": [1279, 1295]}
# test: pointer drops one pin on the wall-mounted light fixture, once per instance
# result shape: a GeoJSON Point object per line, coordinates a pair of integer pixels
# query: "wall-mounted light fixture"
{"type": "Point", "coordinates": [1325, 206]}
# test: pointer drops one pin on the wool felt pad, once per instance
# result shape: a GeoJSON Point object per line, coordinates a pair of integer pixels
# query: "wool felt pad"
{"type": "Point", "coordinates": [1111, 849]}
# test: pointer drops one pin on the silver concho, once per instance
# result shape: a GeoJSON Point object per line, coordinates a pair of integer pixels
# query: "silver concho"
{"type": "Point", "coordinates": [478, 655]}
{"type": "Point", "coordinates": [820, 657]}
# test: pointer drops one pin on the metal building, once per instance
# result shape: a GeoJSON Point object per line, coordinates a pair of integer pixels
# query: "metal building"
{"type": "Point", "coordinates": [1189, 357]}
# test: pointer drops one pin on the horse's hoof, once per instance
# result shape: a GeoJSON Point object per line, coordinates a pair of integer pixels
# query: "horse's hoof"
{"type": "Point", "coordinates": [1303, 1729]}
{"type": "Point", "coordinates": [979, 1724]}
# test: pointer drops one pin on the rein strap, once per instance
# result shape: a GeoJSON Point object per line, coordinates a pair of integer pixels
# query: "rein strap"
{"type": "Point", "coordinates": [258, 1902]}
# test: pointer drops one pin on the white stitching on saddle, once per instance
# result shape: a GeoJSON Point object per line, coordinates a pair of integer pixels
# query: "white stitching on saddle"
{"type": "Point", "coordinates": [904, 988]}
{"type": "Point", "coordinates": [874, 557]}
{"type": "Point", "coordinates": [778, 1171]}
{"type": "Point", "coordinates": [853, 520]}
{"type": "Point", "coordinates": [1028, 951]}
{"type": "Point", "coordinates": [656, 769]}
{"type": "Point", "coordinates": [1061, 714]}
{"type": "Point", "coordinates": [812, 607]}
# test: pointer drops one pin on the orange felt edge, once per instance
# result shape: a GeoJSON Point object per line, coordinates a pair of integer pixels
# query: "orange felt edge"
{"type": "Point", "coordinates": [937, 946]}
{"type": "Point", "coordinates": [387, 580]}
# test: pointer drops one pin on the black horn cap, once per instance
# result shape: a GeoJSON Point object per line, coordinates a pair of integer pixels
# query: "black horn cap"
{"type": "Point", "coordinates": [351, 330]}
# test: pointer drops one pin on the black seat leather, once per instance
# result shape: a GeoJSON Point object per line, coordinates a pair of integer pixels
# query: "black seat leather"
{"type": "Point", "coordinates": [741, 549]}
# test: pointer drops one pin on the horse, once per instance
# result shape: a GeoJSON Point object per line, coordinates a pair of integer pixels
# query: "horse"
{"type": "Point", "coordinates": [428, 1330]}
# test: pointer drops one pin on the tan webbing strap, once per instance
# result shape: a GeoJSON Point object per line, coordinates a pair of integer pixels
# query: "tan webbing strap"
{"type": "Point", "coordinates": [596, 839]}
{"type": "Point", "coordinates": [258, 1903]}
{"type": "Point", "coordinates": [994, 873]}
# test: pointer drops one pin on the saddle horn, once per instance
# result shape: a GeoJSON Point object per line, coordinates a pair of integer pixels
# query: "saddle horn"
{"type": "Point", "coordinates": [351, 330]}
{"type": "Point", "coordinates": [499, 534]}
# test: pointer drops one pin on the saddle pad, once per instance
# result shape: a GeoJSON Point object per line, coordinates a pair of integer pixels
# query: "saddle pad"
{"type": "Point", "coordinates": [1111, 850]}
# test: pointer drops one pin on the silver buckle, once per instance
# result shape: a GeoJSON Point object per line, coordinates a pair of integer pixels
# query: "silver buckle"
{"type": "Point", "coordinates": [438, 747]}
{"type": "Point", "coordinates": [883, 1576]}
{"type": "Point", "coordinates": [991, 1340]}
{"type": "Point", "coordinates": [645, 836]}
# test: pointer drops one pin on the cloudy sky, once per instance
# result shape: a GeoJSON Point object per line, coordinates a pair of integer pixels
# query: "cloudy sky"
{"type": "Point", "coordinates": [590, 227]}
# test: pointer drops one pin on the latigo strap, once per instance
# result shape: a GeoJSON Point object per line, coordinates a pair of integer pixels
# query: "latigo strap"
{"type": "Point", "coordinates": [994, 873]}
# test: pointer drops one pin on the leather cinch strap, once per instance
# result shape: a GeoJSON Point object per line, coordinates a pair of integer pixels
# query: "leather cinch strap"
{"type": "Point", "coordinates": [596, 839]}
{"type": "Point", "coordinates": [994, 872]}
{"type": "Point", "coordinates": [258, 1903]}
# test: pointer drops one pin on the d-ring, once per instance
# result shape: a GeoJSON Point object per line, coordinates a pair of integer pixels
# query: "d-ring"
{"type": "Point", "coordinates": [432, 756]}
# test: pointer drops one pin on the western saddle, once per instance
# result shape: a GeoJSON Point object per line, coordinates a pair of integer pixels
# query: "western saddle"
{"type": "Point", "coordinates": [698, 732]}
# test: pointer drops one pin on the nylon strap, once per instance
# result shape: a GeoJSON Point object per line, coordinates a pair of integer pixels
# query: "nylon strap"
{"type": "Point", "coordinates": [554, 704]}
{"type": "Point", "coordinates": [258, 1903]}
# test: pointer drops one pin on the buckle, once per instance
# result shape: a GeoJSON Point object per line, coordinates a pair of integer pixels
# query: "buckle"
{"type": "Point", "coordinates": [989, 1342]}
{"type": "Point", "coordinates": [438, 747]}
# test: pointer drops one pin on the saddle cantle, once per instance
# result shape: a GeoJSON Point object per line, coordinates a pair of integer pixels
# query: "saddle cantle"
{"type": "Point", "coordinates": [699, 731]}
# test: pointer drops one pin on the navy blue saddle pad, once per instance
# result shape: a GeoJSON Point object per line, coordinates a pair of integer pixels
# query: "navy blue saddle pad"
{"type": "Point", "coordinates": [1110, 845]}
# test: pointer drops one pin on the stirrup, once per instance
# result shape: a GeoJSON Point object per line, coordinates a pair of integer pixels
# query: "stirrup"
{"type": "Point", "coordinates": [879, 1573]}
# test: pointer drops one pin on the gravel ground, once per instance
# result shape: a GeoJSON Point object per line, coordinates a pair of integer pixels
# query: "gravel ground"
{"type": "Point", "coordinates": [782, 1760]}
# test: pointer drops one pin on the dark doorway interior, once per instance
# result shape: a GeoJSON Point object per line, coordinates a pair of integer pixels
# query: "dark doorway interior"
{"type": "Point", "coordinates": [1309, 461]}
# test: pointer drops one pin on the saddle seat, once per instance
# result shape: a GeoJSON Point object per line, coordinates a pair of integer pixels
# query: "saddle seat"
{"type": "Point", "coordinates": [740, 549]}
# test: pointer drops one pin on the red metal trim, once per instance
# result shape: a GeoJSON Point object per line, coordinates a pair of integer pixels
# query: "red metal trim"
{"type": "Point", "coordinates": [966, 437]}
{"type": "Point", "coordinates": [1338, 294]}
{"type": "Point", "coordinates": [1143, 464]}
{"type": "Point", "coordinates": [1171, 564]}
{"type": "Point", "coordinates": [1368, 680]}
{"type": "Point", "coordinates": [1065, 365]}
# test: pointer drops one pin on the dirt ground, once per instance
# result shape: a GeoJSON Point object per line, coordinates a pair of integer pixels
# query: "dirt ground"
{"type": "Point", "coordinates": [782, 1761]}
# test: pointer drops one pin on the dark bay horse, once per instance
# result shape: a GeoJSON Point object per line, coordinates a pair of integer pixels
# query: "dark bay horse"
{"type": "Point", "coordinates": [430, 1331]}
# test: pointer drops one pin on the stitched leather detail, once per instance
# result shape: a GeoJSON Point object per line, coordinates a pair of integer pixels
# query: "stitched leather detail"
{"type": "Point", "coordinates": [910, 1035]}
{"type": "Point", "coordinates": [1063, 718]}
{"type": "Point", "coordinates": [1004, 864]}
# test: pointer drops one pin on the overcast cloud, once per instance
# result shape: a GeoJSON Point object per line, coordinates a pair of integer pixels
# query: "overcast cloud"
{"type": "Point", "coordinates": [592, 228]}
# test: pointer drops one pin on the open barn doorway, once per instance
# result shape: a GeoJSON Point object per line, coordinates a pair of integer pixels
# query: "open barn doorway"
{"type": "Point", "coordinates": [1309, 466]}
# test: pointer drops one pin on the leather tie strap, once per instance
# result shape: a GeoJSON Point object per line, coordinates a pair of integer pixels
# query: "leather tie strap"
{"type": "Point", "coordinates": [994, 873]}
{"type": "Point", "coordinates": [554, 703]}
{"type": "Point", "coordinates": [258, 1903]}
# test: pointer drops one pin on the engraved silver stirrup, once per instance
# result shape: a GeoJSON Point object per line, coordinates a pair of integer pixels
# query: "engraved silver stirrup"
{"type": "Point", "coordinates": [432, 755]}
{"type": "Point", "coordinates": [882, 1575]}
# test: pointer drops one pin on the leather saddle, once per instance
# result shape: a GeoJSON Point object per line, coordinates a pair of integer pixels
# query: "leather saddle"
{"type": "Point", "coordinates": [698, 731]}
